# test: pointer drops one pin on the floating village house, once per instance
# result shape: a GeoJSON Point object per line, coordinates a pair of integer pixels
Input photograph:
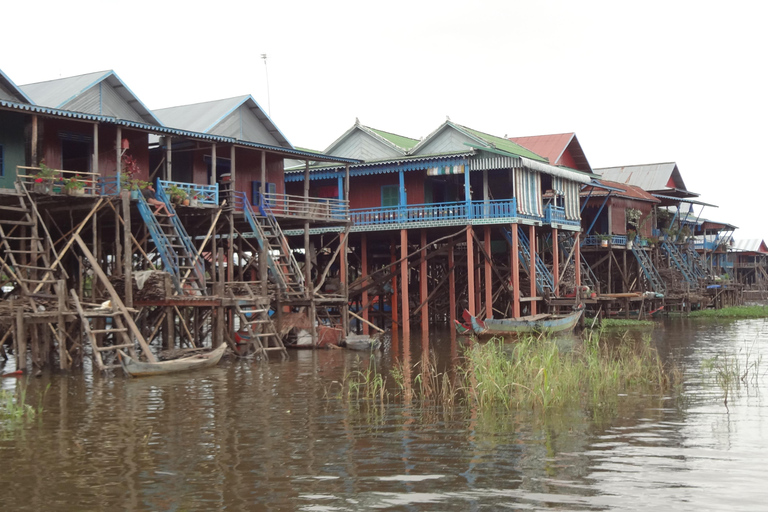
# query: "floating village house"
{"type": "Point", "coordinates": [460, 215]}
{"type": "Point", "coordinates": [77, 223]}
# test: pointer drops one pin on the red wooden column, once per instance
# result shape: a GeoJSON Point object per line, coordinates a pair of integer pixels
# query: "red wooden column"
{"type": "Point", "coordinates": [532, 267]}
{"type": "Point", "coordinates": [515, 268]}
{"type": "Point", "coordinates": [555, 262]}
{"type": "Point", "coordinates": [577, 259]}
{"type": "Point", "coordinates": [423, 289]}
{"type": "Point", "coordinates": [364, 265]}
{"type": "Point", "coordinates": [404, 283]}
{"type": "Point", "coordinates": [393, 259]}
{"type": "Point", "coordinates": [451, 286]}
{"type": "Point", "coordinates": [488, 276]}
{"type": "Point", "coordinates": [470, 272]}
{"type": "Point", "coordinates": [344, 280]}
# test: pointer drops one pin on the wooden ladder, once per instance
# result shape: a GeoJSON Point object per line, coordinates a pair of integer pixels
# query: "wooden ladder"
{"type": "Point", "coordinates": [255, 318]}
{"type": "Point", "coordinates": [90, 332]}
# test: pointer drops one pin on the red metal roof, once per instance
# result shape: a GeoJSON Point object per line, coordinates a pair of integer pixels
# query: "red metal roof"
{"type": "Point", "coordinates": [559, 148]}
{"type": "Point", "coordinates": [627, 191]}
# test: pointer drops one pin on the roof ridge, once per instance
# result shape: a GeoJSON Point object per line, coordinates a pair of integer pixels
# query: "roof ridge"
{"type": "Point", "coordinates": [242, 96]}
{"type": "Point", "coordinates": [103, 73]}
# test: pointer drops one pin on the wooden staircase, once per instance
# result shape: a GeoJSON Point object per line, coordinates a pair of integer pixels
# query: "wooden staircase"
{"type": "Point", "coordinates": [174, 247]}
{"type": "Point", "coordinates": [253, 314]}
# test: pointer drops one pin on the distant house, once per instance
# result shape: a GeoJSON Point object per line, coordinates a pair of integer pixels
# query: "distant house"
{"type": "Point", "coordinates": [750, 261]}
{"type": "Point", "coordinates": [662, 180]}
{"type": "Point", "coordinates": [561, 149]}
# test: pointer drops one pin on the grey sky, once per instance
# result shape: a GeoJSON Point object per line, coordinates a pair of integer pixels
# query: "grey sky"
{"type": "Point", "coordinates": [639, 82]}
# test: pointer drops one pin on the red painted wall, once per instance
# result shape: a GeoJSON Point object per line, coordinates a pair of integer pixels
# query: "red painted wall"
{"type": "Point", "coordinates": [567, 160]}
{"type": "Point", "coordinates": [618, 208]}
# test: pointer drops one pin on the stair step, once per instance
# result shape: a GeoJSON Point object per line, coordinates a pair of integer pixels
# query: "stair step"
{"type": "Point", "coordinates": [114, 347]}
{"type": "Point", "coordinates": [105, 331]}
{"type": "Point", "coordinates": [100, 314]}
{"type": "Point", "coordinates": [27, 238]}
{"type": "Point", "coordinates": [18, 222]}
{"type": "Point", "coordinates": [14, 209]}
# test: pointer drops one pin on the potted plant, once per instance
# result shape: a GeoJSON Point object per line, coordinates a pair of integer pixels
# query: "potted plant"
{"type": "Point", "coordinates": [74, 186]}
{"type": "Point", "coordinates": [194, 201]}
{"type": "Point", "coordinates": [177, 195]}
{"type": "Point", "coordinates": [604, 239]}
{"type": "Point", "coordinates": [44, 179]}
{"type": "Point", "coordinates": [631, 235]}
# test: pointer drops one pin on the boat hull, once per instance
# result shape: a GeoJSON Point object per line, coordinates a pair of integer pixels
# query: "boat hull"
{"type": "Point", "coordinates": [494, 327]}
{"type": "Point", "coordinates": [136, 368]}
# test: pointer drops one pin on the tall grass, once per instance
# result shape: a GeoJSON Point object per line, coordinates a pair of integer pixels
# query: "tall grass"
{"type": "Point", "coordinates": [15, 407]}
{"type": "Point", "coordinates": [534, 373]}
{"type": "Point", "coordinates": [732, 312]}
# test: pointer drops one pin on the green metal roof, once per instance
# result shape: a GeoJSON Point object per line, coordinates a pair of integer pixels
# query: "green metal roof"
{"type": "Point", "coordinates": [398, 140]}
{"type": "Point", "coordinates": [503, 144]}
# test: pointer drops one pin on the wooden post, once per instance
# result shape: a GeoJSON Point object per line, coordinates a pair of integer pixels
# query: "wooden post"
{"type": "Point", "coordinates": [577, 260]}
{"type": "Point", "coordinates": [168, 155]}
{"type": "Point", "coordinates": [515, 271]}
{"type": "Point", "coordinates": [532, 267]}
{"type": "Point", "coordinates": [488, 275]}
{"type": "Point", "coordinates": [169, 330]}
{"type": "Point", "coordinates": [424, 289]}
{"type": "Point", "coordinates": [61, 295]}
{"type": "Point", "coordinates": [21, 340]}
{"type": "Point", "coordinates": [344, 281]}
{"type": "Point", "coordinates": [128, 249]}
{"type": "Point", "coordinates": [404, 297]}
{"type": "Point", "coordinates": [212, 178]}
{"type": "Point", "coordinates": [34, 141]}
{"type": "Point", "coordinates": [263, 174]}
{"type": "Point", "coordinates": [451, 286]}
{"type": "Point", "coordinates": [118, 151]}
{"type": "Point", "coordinates": [470, 272]}
{"type": "Point", "coordinates": [95, 164]}
{"type": "Point", "coordinates": [364, 271]}
{"type": "Point", "coordinates": [393, 259]}
{"type": "Point", "coordinates": [556, 262]}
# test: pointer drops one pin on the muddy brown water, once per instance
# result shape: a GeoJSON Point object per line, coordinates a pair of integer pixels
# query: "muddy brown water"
{"type": "Point", "coordinates": [250, 436]}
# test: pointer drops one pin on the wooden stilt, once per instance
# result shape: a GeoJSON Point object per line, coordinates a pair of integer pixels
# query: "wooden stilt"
{"type": "Point", "coordinates": [577, 260]}
{"type": "Point", "coordinates": [515, 271]}
{"type": "Point", "coordinates": [470, 272]}
{"type": "Point", "coordinates": [394, 305]}
{"type": "Point", "coordinates": [344, 275]}
{"type": "Point", "coordinates": [451, 287]}
{"type": "Point", "coordinates": [21, 339]}
{"type": "Point", "coordinates": [556, 262]}
{"type": "Point", "coordinates": [532, 268]}
{"type": "Point", "coordinates": [423, 288]}
{"type": "Point", "coordinates": [404, 297]}
{"type": "Point", "coordinates": [364, 272]}
{"type": "Point", "coordinates": [488, 275]}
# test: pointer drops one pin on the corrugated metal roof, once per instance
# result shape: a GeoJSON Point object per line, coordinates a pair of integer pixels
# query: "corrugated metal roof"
{"type": "Point", "coordinates": [163, 130]}
{"type": "Point", "coordinates": [59, 93]}
{"type": "Point", "coordinates": [619, 190]}
{"type": "Point", "coordinates": [14, 92]}
{"type": "Point", "coordinates": [554, 146]}
{"type": "Point", "coordinates": [750, 245]}
{"type": "Point", "coordinates": [650, 177]}
{"type": "Point", "coordinates": [398, 140]}
{"type": "Point", "coordinates": [205, 117]}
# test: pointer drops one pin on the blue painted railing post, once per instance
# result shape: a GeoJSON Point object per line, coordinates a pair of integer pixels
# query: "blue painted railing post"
{"type": "Point", "coordinates": [467, 192]}
{"type": "Point", "coordinates": [403, 197]}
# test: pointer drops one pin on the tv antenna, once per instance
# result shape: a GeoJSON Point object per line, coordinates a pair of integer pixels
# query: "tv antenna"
{"type": "Point", "coordinates": [266, 72]}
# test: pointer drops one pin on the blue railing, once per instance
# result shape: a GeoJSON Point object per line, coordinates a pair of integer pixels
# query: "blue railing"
{"type": "Point", "coordinates": [556, 215]}
{"type": "Point", "coordinates": [596, 240]}
{"type": "Point", "coordinates": [109, 185]}
{"type": "Point", "coordinates": [204, 194]}
{"type": "Point", "coordinates": [436, 212]}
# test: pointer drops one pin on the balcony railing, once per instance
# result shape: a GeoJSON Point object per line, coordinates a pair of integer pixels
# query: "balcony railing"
{"type": "Point", "coordinates": [556, 215]}
{"type": "Point", "coordinates": [59, 181]}
{"type": "Point", "coordinates": [202, 194]}
{"type": "Point", "coordinates": [315, 208]}
{"type": "Point", "coordinates": [435, 213]}
{"type": "Point", "coordinates": [597, 240]}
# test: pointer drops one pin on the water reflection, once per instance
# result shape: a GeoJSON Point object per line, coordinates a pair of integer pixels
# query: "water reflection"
{"type": "Point", "coordinates": [276, 436]}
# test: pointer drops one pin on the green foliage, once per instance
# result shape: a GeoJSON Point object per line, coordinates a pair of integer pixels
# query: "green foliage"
{"type": "Point", "coordinates": [626, 323]}
{"type": "Point", "coordinates": [16, 408]}
{"type": "Point", "coordinates": [732, 312]}
{"type": "Point", "coordinates": [46, 173]}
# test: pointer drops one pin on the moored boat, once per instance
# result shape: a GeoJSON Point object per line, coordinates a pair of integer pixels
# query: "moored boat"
{"type": "Point", "coordinates": [534, 323]}
{"type": "Point", "coordinates": [136, 368]}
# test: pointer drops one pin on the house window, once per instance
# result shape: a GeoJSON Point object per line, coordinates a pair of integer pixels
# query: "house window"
{"type": "Point", "coordinates": [2, 167]}
{"type": "Point", "coordinates": [390, 195]}
{"type": "Point", "coordinates": [270, 190]}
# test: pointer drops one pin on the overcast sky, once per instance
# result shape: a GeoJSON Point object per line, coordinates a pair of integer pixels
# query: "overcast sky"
{"type": "Point", "coordinates": [639, 82]}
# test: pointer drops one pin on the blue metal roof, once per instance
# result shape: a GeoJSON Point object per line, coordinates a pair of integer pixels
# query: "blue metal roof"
{"type": "Point", "coordinates": [164, 130]}
{"type": "Point", "coordinates": [380, 167]}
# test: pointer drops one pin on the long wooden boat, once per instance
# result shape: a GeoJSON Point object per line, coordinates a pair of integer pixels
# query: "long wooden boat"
{"type": "Point", "coordinates": [535, 323]}
{"type": "Point", "coordinates": [136, 368]}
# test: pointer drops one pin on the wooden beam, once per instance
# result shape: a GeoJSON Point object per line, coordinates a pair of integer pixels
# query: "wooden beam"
{"type": "Point", "coordinates": [116, 300]}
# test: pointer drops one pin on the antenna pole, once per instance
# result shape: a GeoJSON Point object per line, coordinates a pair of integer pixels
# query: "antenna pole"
{"type": "Point", "coordinates": [266, 72]}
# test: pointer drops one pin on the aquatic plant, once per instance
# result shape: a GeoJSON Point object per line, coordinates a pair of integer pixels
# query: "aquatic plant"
{"type": "Point", "coordinates": [732, 371]}
{"type": "Point", "coordinates": [732, 312]}
{"type": "Point", "coordinates": [16, 407]}
{"type": "Point", "coordinates": [626, 323]}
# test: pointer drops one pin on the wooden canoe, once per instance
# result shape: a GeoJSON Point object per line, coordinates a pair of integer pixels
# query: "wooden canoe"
{"type": "Point", "coordinates": [136, 368]}
{"type": "Point", "coordinates": [362, 342]}
{"type": "Point", "coordinates": [537, 323]}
